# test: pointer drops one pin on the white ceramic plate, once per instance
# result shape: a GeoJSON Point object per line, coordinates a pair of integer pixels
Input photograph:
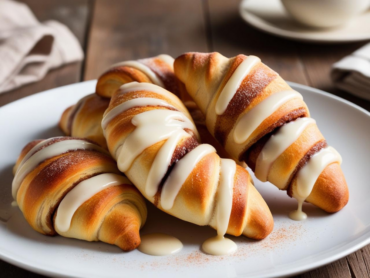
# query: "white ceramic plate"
{"type": "Point", "coordinates": [293, 247]}
{"type": "Point", "coordinates": [271, 17]}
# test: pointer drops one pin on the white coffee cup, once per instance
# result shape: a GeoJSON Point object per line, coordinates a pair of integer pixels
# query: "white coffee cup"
{"type": "Point", "coordinates": [325, 13]}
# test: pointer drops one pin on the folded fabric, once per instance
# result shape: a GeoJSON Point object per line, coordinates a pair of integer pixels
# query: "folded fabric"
{"type": "Point", "coordinates": [28, 48]}
{"type": "Point", "coordinates": [352, 73]}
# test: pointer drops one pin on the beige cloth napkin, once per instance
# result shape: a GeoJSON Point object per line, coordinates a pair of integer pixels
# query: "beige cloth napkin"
{"type": "Point", "coordinates": [28, 48]}
{"type": "Point", "coordinates": [352, 73]}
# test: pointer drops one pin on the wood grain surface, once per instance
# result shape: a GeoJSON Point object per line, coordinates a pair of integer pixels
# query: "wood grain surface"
{"type": "Point", "coordinates": [130, 29]}
{"type": "Point", "coordinates": [116, 30]}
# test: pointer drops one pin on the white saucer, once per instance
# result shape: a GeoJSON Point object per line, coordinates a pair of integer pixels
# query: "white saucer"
{"type": "Point", "coordinates": [271, 17]}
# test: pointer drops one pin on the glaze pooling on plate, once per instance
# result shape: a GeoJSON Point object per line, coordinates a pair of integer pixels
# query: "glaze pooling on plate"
{"type": "Point", "coordinates": [219, 246]}
{"type": "Point", "coordinates": [159, 244]}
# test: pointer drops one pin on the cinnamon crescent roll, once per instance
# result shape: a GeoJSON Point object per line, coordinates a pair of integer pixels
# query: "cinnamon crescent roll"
{"type": "Point", "coordinates": [72, 187]}
{"type": "Point", "coordinates": [259, 119]}
{"type": "Point", "coordinates": [156, 144]}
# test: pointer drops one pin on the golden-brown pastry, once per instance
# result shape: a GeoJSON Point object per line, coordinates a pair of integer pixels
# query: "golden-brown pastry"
{"type": "Point", "coordinates": [151, 135]}
{"type": "Point", "coordinates": [72, 187]}
{"type": "Point", "coordinates": [261, 120]}
{"type": "Point", "coordinates": [156, 70]}
{"type": "Point", "coordinates": [83, 119]}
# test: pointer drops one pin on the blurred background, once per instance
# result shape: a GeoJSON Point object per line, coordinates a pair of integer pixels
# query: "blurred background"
{"type": "Point", "coordinates": [110, 31]}
{"type": "Point", "coordinates": [115, 30]}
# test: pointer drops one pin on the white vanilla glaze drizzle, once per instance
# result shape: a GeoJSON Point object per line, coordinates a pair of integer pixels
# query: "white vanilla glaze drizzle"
{"type": "Point", "coordinates": [234, 83]}
{"type": "Point", "coordinates": [160, 124]}
{"type": "Point", "coordinates": [159, 244]}
{"type": "Point", "coordinates": [38, 146]}
{"type": "Point", "coordinates": [180, 172]}
{"type": "Point", "coordinates": [140, 66]}
{"type": "Point", "coordinates": [307, 176]}
{"type": "Point", "coordinates": [136, 86]}
{"type": "Point", "coordinates": [298, 214]}
{"type": "Point", "coordinates": [80, 194]}
{"type": "Point", "coordinates": [30, 162]}
{"type": "Point", "coordinates": [225, 195]}
{"type": "Point", "coordinates": [278, 143]}
{"type": "Point", "coordinates": [161, 162]}
{"type": "Point", "coordinates": [251, 120]}
{"type": "Point", "coordinates": [136, 102]}
{"type": "Point", "coordinates": [219, 245]}
{"type": "Point", "coordinates": [167, 59]}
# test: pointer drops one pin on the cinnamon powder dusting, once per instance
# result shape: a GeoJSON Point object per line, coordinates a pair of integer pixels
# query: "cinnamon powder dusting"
{"type": "Point", "coordinates": [279, 239]}
{"type": "Point", "coordinates": [283, 236]}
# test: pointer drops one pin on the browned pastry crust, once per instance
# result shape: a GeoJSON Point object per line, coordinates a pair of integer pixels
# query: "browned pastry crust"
{"type": "Point", "coordinates": [197, 197]}
{"type": "Point", "coordinates": [113, 215]}
{"type": "Point", "coordinates": [83, 119]}
{"type": "Point", "coordinates": [206, 74]}
{"type": "Point", "coordinates": [111, 80]}
{"type": "Point", "coordinates": [24, 152]}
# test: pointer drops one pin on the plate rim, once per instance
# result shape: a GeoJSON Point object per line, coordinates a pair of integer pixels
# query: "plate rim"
{"type": "Point", "coordinates": [347, 248]}
{"type": "Point", "coordinates": [246, 16]}
{"type": "Point", "coordinates": [48, 91]}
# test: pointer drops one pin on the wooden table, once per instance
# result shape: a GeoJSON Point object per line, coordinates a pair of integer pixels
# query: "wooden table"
{"type": "Point", "coordinates": [116, 30]}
